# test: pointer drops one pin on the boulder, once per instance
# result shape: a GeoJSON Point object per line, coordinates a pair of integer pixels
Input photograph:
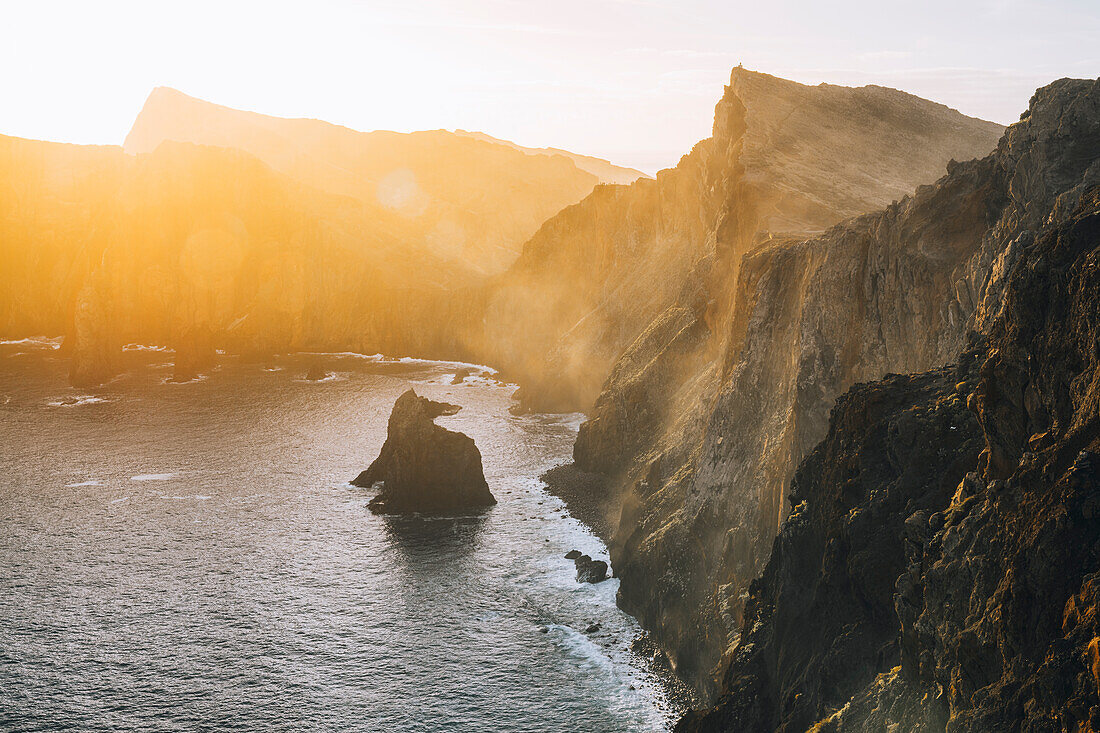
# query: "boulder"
{"type": "Point", "coordinates": [589, 570]}
{"type": "Point", "coordinates": [425, 468]}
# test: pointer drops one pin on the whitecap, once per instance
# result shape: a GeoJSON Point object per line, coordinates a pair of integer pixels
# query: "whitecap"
{"type": "Point", "coordinates": [153, 476]}
{"type": "Point", "coordinates": [579, 646]}
{"type": "Point", "coordinates": [192, 380]}
{"type": "Point", "coordinates": [148, 347]}
{"type": "Point", "coordinates": [404, 360]}
{"type": "Point", "coordinates": [89, 482]}
{"type": "Point", "coordinates": [120, 500]}
{"type": "Point", "coordinates": [77, 401]}
{"type": "Point", "coordinates": [44, 342]}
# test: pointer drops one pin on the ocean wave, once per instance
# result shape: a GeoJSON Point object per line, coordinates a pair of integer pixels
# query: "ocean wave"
{"type": "Point", "coordinates": [326, 378]}
{"type": "Point", "coordinates": [192, 380]}
{"type": "Point", "coordinates": [579, 646]}
{"type": "Point", "coordinates": [402, 360]}
{"type": "Point", "coordinates": [89, 482]}
{"type": "Point", "coordinates": [42, 342]}
{"type": "Point", "coordinates": [153, 476]}
{"type": "Point", "coordinates": [148, 347]}
{"type": "Point", "coordinates": [77, 401]}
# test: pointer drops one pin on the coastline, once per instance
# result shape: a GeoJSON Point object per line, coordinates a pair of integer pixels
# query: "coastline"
{"type": "Point", "coordinates": [585, 496]}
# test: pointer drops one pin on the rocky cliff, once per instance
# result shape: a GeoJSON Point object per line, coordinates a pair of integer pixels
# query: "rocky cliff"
{"type": "Point", "coordinates": [783, 158]}
{"type": "Point", "coordinates": [940, 564]}
{"type": "Point", "coordinates": [331, 240]}
{"type": "Point", "coordinates": [703, 459]}
{"type": "Point", "coordinates": [471, 202]}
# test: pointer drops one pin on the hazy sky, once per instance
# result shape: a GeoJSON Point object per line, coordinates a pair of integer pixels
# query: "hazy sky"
{"type": "Point", "coordinates": [631, 80]}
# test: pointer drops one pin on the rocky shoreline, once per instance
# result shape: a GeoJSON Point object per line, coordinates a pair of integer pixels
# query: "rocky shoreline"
{"type": "Point", "coordinates": [586, 497]}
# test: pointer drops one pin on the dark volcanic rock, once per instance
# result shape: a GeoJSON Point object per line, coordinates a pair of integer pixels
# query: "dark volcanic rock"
{"type": "Point", "coordinates": [573, 554]}
{"type": "Point", "coordinates": [940, 569]}
{"type": "Point", "coordinates": [709, 459]}
{"type": "Point", "coordinates": [316, 373]}
{"type": "Point", "coordinates": [589, 570]}
{"type": "Point", "coordinates": [423, 467]}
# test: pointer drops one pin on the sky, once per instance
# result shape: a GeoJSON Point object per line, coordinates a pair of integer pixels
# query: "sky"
{"type": "Point", "coordinates": [634, 81]}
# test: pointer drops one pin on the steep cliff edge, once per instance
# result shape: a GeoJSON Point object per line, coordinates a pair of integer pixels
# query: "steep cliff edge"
{"type": "Point", "coordinates": [700, 424]}
{"type": "Point", "coordinates": [940, 565]}
{"type": "Point", "coordinates": [783, 158]}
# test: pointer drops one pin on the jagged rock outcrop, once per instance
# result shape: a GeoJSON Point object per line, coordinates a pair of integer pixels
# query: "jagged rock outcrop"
{"type": "Point", "coordinates": [940, 566]}
{"type": "Point", "coordinates": [894, 291]}
{"type": "Point", "coordinates": [425, 468]}
{"type": "Point", "coordinates": [783, 158]}
{"type": "Point", "coordinates": [589, 570]}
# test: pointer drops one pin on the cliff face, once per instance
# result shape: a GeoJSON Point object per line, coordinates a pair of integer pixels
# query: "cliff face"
{"type": "Point", "coordinates": [374, 242]}
{"type": "Point", "coordinates": [594, 277]}
{"type": "Point", "coordinates": [940, 566]}
{"type": "Point", "coordinates": [705, 459]}
{"type": "Point", "coordinates": [470, 202]}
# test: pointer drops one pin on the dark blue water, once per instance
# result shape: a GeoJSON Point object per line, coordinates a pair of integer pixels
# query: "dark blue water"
{"type": "Point", "coordinates": [190, 557]}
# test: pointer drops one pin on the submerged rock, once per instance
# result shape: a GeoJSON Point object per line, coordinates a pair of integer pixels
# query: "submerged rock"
{"type": "Point", "coordinates": [423, 467]}
{"type": "Point", "coordinates": [316, 373]}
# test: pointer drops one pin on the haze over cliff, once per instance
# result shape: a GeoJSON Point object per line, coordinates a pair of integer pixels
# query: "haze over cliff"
{"type": "Point", "coordinates": [473, 201]}
{"type": "Point", "coordinates": [708, 321]}
{"type": "Point", "coordinates": [938, 570]}
{"type": "Point", "coordinates": [274, 235]}
{"type": "Point", "coordinates": [595, 276]}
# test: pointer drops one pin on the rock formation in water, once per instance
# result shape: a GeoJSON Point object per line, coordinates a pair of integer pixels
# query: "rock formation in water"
{"type": "Point", "coordinates": [940, 566]}
{"type": "Point", "coordinates": [425, 468]}
{"type": "Point", "coordinates": [589, 570]}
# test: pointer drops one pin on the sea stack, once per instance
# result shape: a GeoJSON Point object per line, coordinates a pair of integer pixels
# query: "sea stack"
{"type": "Point", "coordinates": [425, 468]}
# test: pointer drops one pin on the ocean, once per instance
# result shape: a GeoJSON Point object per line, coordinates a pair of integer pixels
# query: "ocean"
{"type": "Point", "coordinates": [190, 556]}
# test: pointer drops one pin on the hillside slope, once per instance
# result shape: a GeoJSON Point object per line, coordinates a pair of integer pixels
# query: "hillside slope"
{"type": "Point", "coordinates": [469, 201]}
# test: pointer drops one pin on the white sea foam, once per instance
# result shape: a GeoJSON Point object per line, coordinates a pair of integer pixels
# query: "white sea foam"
{"type": "Point", "coordinates": [42, 342]}
{"type": "Point", "coordinates": [326, 378]}
{"type": "Point", "coordinates": [120, 500]}
{"type": "Point", "coordinates": [77, 401]}
{"type": "Point", "coordinates": [89, 482]}
{"type": "Point", "coordinates": [148, 347]}
{"type": "Point", "coordinates": [578, 645]}
{"type": "Point", "coordinates": [403, 360]}
{"type": "Point", "coordinates": [153, 476]}
{"type": "Point", "coordinates": [192, 380]}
